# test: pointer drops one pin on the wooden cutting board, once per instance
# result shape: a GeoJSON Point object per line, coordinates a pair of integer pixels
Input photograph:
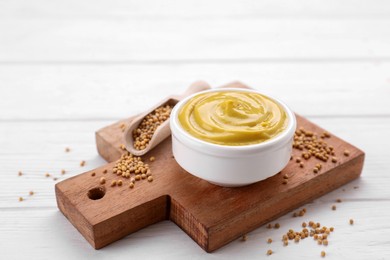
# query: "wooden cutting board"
{"type": "Point", "coordinates": [211, 215]}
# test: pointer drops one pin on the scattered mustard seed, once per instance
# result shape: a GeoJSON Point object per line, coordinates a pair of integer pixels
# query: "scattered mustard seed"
{"type": "Point", "coordinates": [105, 171]}
{"type": "Point", "coordinates": [351, 221]}
{"type": "Point", "coordinates": [150, 178]}
{"type": "Point", "coordinates": [122, 146]}
{"type": "Point", "coordinates": [113, 183]}
{"type": "Point", "coordinates": [20, 173]}
{"type": "Point", "coordinates": [63, 171]}
{"type": "Point", "coordinates": [152, 159]}
{"type": "Point", "coordinates": [82, 163]}
{"type": "Point", "coordinates": [93, 174]}
{"type": "Point", "coordinates": [67, 149]}
{"type": "Point", "coordinates": [325, 242]}
{"type": "Point", "coordinates": [119, 182]}
{"type": "Point", "coordinates": [122, 126]}
{"type": "Point", "coordinates": [277, 226]}
{"type": "Point", "coordinates": [102, 180]}
{"type": "Point", "coordinates": [333, 207]}
{"type": "Point", "coordinates": [131, 185]}
{"type": "Point", "coordinates": [269, 226]}
{"type": "Point", "coordinates": [323, 253]}
{"type": "Point", "coordinates": [269, 252]}
{"type": "Point", "coordinates": [285, 181]}
{"type": "Point", "coordinates": [47, 175]}
{"type": "Point", "coordinates": [301, 164]}
{"type": "Point", "coordinates": [285, 176]}
{"type": "Point", "coordinates": [269, 240]}
{"type": "Point", "coordinates": [55, 178]}
{"type": "Point", "coordinates": [346, 153]}
{"type": "Point", "coordinates": [304, 224]}
{"type": "Point", "coordinates": [244, 238]}
{"type": "Point", "coordinates": [31, 193]}
{"type": "Point", "coordinates": [334, 159]}
{"type": "Point", "coordinates": [20, 199]}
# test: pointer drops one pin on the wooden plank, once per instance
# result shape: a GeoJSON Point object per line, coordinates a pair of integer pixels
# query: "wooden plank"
{"type": "Point", "coordinates": [222, 40]}
{"type": "Point", "coordinates": [45, 153]}
{"type": "Point", "coordinates": [367, 239]}
{"type": "Point", "coordinates": [58, 91]}
{"type": "Point", "coordinates": [234, 211]}
{"type": "Point", "coordinates": [192, 9]}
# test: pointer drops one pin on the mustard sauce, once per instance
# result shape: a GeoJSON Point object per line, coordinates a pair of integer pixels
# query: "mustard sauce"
{"type": "Point", "coordinates": [233, 117]}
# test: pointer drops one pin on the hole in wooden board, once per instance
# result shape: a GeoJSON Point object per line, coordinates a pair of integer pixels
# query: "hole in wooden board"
{"type": "Point", "coordinates": [96, 193]}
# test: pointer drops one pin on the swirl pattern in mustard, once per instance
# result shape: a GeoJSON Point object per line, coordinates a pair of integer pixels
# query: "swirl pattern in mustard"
{"type": "Point", "coordinates": [233, 117]}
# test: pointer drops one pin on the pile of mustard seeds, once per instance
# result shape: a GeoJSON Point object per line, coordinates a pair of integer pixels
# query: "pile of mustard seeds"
{"type": "Point", "coordinates": [144, 132]}
{"type": "Point", "coordinates": [129, 165]}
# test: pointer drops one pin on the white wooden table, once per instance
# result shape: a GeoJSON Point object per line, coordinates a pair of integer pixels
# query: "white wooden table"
{"type": "Point", "coordinates": [68, 68]}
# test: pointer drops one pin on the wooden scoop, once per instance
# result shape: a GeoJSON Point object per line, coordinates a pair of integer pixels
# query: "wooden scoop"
{"type": "Point", "coordinates": [163, 131]}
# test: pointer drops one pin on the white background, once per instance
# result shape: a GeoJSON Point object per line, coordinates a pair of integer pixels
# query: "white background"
{"type": "Point", "coordinates": [68, 68]}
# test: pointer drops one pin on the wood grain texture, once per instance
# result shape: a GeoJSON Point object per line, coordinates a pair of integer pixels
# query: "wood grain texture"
{"type": "Point", "coordinates": [212, 221]}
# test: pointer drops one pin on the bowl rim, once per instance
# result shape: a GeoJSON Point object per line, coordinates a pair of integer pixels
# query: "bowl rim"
{"type": "Point", "coordinates": [280, 139]}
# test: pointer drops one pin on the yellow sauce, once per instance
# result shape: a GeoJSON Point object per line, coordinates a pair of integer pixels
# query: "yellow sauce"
{"type": "Point", "coordinates": [233, 117]}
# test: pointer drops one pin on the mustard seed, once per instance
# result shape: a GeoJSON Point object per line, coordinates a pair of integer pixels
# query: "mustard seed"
{"type": "Point", "coordinates": [269, 252]}
{"type": "Point", "coordinates": [152, 159]}
{"type": "Point", "coordinates": [55, 178]}
{"type": "Point", "coordinates": [315, 170]}
{"type": "Point", "coordinates": [304, 224]}
{"type": "Point", "coordinates": [323, 253]}
{"type": "Point", "coordinates": [119, 182]}
{"type": "Point", "coordinates": [277, 226]}
{"type": "Point", "coordinates": [285, 242]}
{"type": "Point", "coordinates": [334, 207]}
{"type": "Point", "coordinates": [82, 163]}
{"type": "Point", "coordinates": [285, 176]}
{"type": "Point", "coordinates": [338, 200]}
{"type": "Point", "coordinates": [150, 179]}
{"type": "Point", "coordinates": [131, 185]}
{"type": "Point", "coordinates": [351, 221]}
{"type": "Point", "coordinates": [105, 171]}
{"type": "Point", "coordinates": [269, 240]}
{"type": "Point", "coordinates": [63, 171]}
{"type": "Point", "coordinates": [301, 164]}
{"type": "Point", "coordinates": [331, 229]}
{"type": "Point", "coordinates": [122, 146]}
{"type": "Point", "coordinates": [67, 149]}
{"type": "Point", "coordinates": [20, 199]}
{"type": "Point", "coordinates": [31, 193]}
{"type": "Point", "coordinates": [47, 175]}
{"type": "Point", "coordinates": [298, 160]}
{"type": "Point", "coordinates": [244, 238]}
{"type": "Point", "coordinates": [113, 183]}
{"type": "Point", "coordinates": [269, 226]}
{"type": "Point", "coordinates": [93, 174]}
{"type": "Point", "coordinates": [285, 182]}
{"type": "Point", "coordinates": [20, 173]}
{"type": "Point", "coordinates": [325, 242]}
{"type": "Point", "coordinates": [334, 159]}
{"type": "Point", "coordinates": [144, 132]}
{"type": "Point", "coordinates": [143, 176]}
{"type": "Point", "coordinates": [102, 180]}
{"type": "Point", "coordinates": [137, 177]}
{"type": "Point", "coordinates": [346, 153]}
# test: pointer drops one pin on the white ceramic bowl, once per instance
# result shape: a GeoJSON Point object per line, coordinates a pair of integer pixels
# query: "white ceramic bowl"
{"type": "Point", "coordinates": [231, 166]}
